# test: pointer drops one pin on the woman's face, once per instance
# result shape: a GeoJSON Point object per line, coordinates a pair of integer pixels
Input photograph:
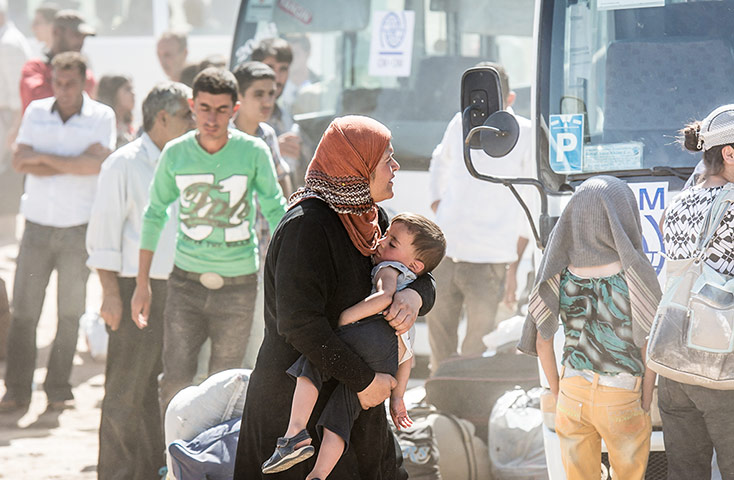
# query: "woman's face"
{"type": "Point", "coordinates": [381, 178]}
{"type": "Point", "coordinates": [125, 100]}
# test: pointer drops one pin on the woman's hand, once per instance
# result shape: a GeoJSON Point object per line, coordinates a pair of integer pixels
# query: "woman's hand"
{"type": "Point", "coordinates": [403, 311]}
{"type": "Point", "coordinates": [377, 391]}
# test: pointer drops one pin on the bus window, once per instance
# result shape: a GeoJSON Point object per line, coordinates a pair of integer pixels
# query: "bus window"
{"type": "Point", "coordinates": [629, 79]}
{"type": "Point", "coordinates": [416, 106]}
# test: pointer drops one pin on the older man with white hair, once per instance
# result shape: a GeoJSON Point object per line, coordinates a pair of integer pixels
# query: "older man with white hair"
{"type": "Point", "coordinates": [130, 435]}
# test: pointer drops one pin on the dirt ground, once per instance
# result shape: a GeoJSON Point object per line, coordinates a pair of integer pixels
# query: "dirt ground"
{"type": "Point", "coordinates": [62, 445]}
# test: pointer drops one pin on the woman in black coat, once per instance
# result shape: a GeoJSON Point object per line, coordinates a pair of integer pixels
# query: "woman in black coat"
{"type": "Point", "coordinates": [319, 264]}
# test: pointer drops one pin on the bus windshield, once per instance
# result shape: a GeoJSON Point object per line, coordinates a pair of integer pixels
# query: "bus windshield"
{"type": "Point", "coordinates": [624, 76]}
{"type": "Point", "coordinates": [399, 61]}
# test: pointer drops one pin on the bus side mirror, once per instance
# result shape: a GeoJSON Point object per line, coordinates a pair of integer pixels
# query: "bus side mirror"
{"type": "Point", "coordinates": [485, 124]}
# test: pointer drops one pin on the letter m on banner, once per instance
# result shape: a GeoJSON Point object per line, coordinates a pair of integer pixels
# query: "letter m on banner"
{"type": "Point", "coordinates": [659, 197]}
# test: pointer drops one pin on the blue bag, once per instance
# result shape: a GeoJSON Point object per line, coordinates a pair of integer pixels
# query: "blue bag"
{"type": "Point", "coordinates": [209, 455]}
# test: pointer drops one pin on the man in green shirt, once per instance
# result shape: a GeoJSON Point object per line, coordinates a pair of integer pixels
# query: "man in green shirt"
{"type": "Point", "coordinates": [212, 172]}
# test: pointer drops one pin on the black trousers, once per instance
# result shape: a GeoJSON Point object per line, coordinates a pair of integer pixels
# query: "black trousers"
{"type": "Point", "coordinates": [695, 421]}
{"type": "Point", "coordinates": [131, 445]}
{"type": "Point", "coordinates": [374, 340]}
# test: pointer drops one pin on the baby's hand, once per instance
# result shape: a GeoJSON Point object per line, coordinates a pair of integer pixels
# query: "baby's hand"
{"type": "Point", "coordinates": [399, 413]}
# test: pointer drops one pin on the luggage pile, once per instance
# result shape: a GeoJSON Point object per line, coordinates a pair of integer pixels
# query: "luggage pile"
{"type": "Point", "coordinates": [478, 418]}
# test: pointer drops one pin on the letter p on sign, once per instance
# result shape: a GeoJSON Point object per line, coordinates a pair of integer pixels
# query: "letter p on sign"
{"type": "Point", "coordinates": [566, 142]}
{"type": "Point", "coordinates": [566, 134]}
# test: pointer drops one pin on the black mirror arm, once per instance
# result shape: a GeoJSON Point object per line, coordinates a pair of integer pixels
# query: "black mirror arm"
{"type": "Point", "coordinates": [496, 131]}
{"type": "Point", "coordinates": [507, 182]}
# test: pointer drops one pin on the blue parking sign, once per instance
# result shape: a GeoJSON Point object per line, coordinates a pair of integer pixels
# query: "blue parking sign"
{"type": "Point", "coordinates": [566, 142]}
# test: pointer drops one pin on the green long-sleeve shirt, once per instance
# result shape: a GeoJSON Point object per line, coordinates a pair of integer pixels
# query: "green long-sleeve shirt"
{"type": "Point", "coordinates": [216, 211]}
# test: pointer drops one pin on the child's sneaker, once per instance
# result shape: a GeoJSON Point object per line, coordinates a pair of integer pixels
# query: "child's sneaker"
{"type": "Point", "coordinates": [286, 454]}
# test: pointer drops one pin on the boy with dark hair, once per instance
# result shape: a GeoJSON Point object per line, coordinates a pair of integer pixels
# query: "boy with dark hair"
{"type": "Point", "coordinates": [411, 246]}
{"type": "Point", "coordinates": [256, 95]}
{"type": "Point", "coordinates": [277, 54]}
{"type": "Point", "coordinates": [257, 99]}
{"type": "Point", "coordinates": [213, 173]}
{"type": "Point", "coordinates": [216, 81]}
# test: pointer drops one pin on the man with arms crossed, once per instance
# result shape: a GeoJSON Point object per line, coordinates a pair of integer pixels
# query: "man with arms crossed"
{"type": "Point", "coordinates": [130, 434]}
{"type": "Point", "coordinates": [61, 144]}
{"type": "Point", "coordinates": [213, 173]}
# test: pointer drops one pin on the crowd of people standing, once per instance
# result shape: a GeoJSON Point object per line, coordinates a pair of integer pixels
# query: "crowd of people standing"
{"type": "Point", "coordinates": [176, 214]}
{"type": "Point", "coordinates": [135, 203]}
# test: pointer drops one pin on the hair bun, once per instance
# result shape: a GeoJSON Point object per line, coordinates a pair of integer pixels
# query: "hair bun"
{"type": "Point", "coordinates": [690, 137]}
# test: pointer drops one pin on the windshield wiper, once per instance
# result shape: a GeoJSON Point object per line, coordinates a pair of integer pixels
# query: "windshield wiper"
{"type": "Point", "coordinates": [681, 172]}
{"type": "Point", "coordinates": [658, 171]}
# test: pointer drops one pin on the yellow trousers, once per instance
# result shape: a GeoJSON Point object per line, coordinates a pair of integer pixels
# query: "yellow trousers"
{"type": "Point", "coordinates": [588, 412]}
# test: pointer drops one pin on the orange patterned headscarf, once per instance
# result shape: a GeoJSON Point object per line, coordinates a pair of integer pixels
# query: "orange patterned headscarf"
{"type": "Point", "coordinates": [339, 174]}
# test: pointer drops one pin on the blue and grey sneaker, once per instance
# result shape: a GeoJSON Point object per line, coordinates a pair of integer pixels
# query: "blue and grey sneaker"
{"type": "Point", "coordinates": [286, 454]}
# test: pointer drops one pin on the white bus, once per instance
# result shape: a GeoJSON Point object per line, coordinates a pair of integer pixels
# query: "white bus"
{"type": "Point", "coordinates": [614, 82]}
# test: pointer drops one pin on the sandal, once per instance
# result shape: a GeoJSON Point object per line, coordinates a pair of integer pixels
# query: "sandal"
{"type": "Point", "coordinates": [286, 454]}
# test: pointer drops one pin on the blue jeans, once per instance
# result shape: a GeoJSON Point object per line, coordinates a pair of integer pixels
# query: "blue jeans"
{"type": "Point", "coordinates": [194, 313]}
{"type": "Point", "coordinates": [43, 250]}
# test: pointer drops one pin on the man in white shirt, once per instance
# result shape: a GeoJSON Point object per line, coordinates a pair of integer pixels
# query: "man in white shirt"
{"type": "Point", "coordinates": [61, 144]}
{"type": "Point", "coordinates": [130, 433]}
{"type": "Point", "coordinates": [485, 234]}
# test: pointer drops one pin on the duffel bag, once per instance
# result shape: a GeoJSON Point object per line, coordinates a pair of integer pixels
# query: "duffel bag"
{"type": "Point", "coordinates": [440, 446]}
{"type": "Point", "coordinates": [468, 386]}
{"type": "Point", "coordinates": [210, 455]}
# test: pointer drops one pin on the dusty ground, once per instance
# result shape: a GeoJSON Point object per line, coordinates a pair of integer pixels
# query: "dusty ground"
{"type": "Point", "coordinates": [52, 445]}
